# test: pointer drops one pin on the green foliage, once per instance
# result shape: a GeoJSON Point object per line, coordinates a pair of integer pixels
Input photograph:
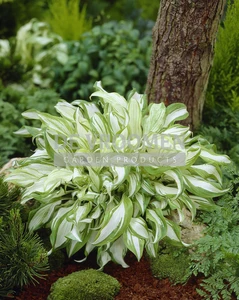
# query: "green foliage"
{"type": "Point", "coordinates": [87, 284]}
{"type": "Point", "coordinates": [8, 197]}
{"type": "Point", "coordinates": [67, 20]}
{"type": "Point", "coordinates": [149, 11]}
{"type": "Point", "coordinates": [14, 99]}
{"type": "Point", "coordinates": [172, 262]}
{"type": "Point", "coordinates": [118, 10]}
{"type": "Point", "coordinates": [33, 40]}
{"type": "Point", "coordinates": [22, 257]}
{"type": "Point", "coordinates": [10, 121]}
{"type": "Point", "coordinates": [216, 255]}
{"type": "Point", "coordinates": [223, 85]}
{"type": "Point", "coordinates": [114, 52]}
{"type": "Point", "coordinates": [118, 207]}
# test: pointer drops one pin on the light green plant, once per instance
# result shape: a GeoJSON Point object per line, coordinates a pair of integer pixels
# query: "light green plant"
{"type": "Point", "coordinates": [37, 45]}
{"type": "Point", "coordinates": [67, 20]}
{"type": "Point", "coordinates": [4, 48]}
{"type": "Point", "coordinates": [224, 77]}
{"type": "Point", "coordinates": [115, 208]}
{"type": "Point", "coordinates": [172, 262]}
{"type": "Point", "coordinates": [86, 284]}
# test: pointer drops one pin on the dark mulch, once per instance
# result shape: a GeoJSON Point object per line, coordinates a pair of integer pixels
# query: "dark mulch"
{"type": "Point", "coordinates": [137, 282]}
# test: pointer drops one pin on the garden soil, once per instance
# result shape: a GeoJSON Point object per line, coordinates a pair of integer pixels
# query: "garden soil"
{"type": "Point", "coordinates": [137, 282]}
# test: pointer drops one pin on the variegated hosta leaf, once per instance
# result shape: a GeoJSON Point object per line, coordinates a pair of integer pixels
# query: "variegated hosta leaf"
{"type": "Point", "coordinates": [67, 110]}
{"type": "Point", "coordinates": [175, 112]}
{"type": "Point", "coordinates": [142, 200]}
{"type": "Point", "coordinates": [117, 252]}
{"type": "Point", "coordinates": [212, 157]}
{"type": "Point", "coordinates": [199, 187]}
{"type": "Point", "coordinates": [159, 225]}
{"type": "Point", "coordinates": [173, 232]}
{"type": "Point", "coordinates": [116, 223]}
{"type": "Point", "coordinates": [57, 124]}
{"type": "Point", "coordinates": [134, 243]}
{"type": "Point", "coordinates": [151, 247]}
{"type": "Point", "coordinates": [60, 227]}
{"type": "Point", "coordinates": [134, 183]}
{"type": "Point", "coordinates": [116, 207]}
{"type": "Point", "coordinates": [156, 118]}
{"type": "Point", "coordinates": [207, 171]}
{"type": "Point", "coordinates": [135, 117]}
{"type": "Point", "coordinates": [42, 215]}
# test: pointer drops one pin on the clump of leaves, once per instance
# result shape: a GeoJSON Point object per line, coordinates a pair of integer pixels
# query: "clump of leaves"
{"type": "Point", "coordinates": [216, 255]}
{"type": "Point", "coordinates": [32, 39]}
{"type": "Point", "coordinates": [67, 19]}
{"type": "Point", "coordinates": [86, 284]}
{"type": "Point", "coordinates": [172, 262]}
{"type": "Point", "coordinates": [114, 208]}
{"type": "Point", "coordinates": [22, 256]}
{"type": "Point", "coordinates": [115, 52]}
{"type": "Point", "coordinates": [14, 100]}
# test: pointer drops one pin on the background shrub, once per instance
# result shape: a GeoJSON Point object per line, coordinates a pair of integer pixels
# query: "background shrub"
{"type": "Point", "coordinates": [223, 87]}
{"type": "Point", "coordinates": [115, 53]}
{"type": "Point", "coordinates": [15, 99]}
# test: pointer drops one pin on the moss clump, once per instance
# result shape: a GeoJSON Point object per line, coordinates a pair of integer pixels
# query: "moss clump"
{"type": "Point", "coordinates": [85, 285]}
{"type": "Point", "coordinates": [172, 262]}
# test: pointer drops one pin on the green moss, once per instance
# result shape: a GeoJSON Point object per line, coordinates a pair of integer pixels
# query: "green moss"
{"type": "Point", "coordinates": [173, 263]}
{"type": "Point", "coordinates": [87, 284]}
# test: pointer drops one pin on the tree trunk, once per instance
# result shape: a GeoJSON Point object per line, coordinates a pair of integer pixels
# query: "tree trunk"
{"type": "Point", "coordinates": [183, 48]}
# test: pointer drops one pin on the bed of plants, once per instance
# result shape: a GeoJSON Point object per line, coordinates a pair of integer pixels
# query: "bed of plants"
{"type": "Point", "coordinates": [55, 211]}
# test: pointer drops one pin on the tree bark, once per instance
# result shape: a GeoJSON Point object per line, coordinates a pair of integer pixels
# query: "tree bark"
{"type": "Point", "coordinates": [183, 48]}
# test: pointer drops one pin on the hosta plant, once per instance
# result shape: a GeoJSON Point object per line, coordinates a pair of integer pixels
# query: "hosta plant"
{"type": "Point", "coordinates": [122, 204]}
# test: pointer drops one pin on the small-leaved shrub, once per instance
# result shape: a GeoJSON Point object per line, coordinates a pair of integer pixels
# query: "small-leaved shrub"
{"type": "Point", "coordinates": [223, 87]}
{"type": "Point", "coordinates": [22, 256]}
{"type": "Point", "coordinates": [87, 284]}
{"type": "Point", "coordinates": [115, 208]}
